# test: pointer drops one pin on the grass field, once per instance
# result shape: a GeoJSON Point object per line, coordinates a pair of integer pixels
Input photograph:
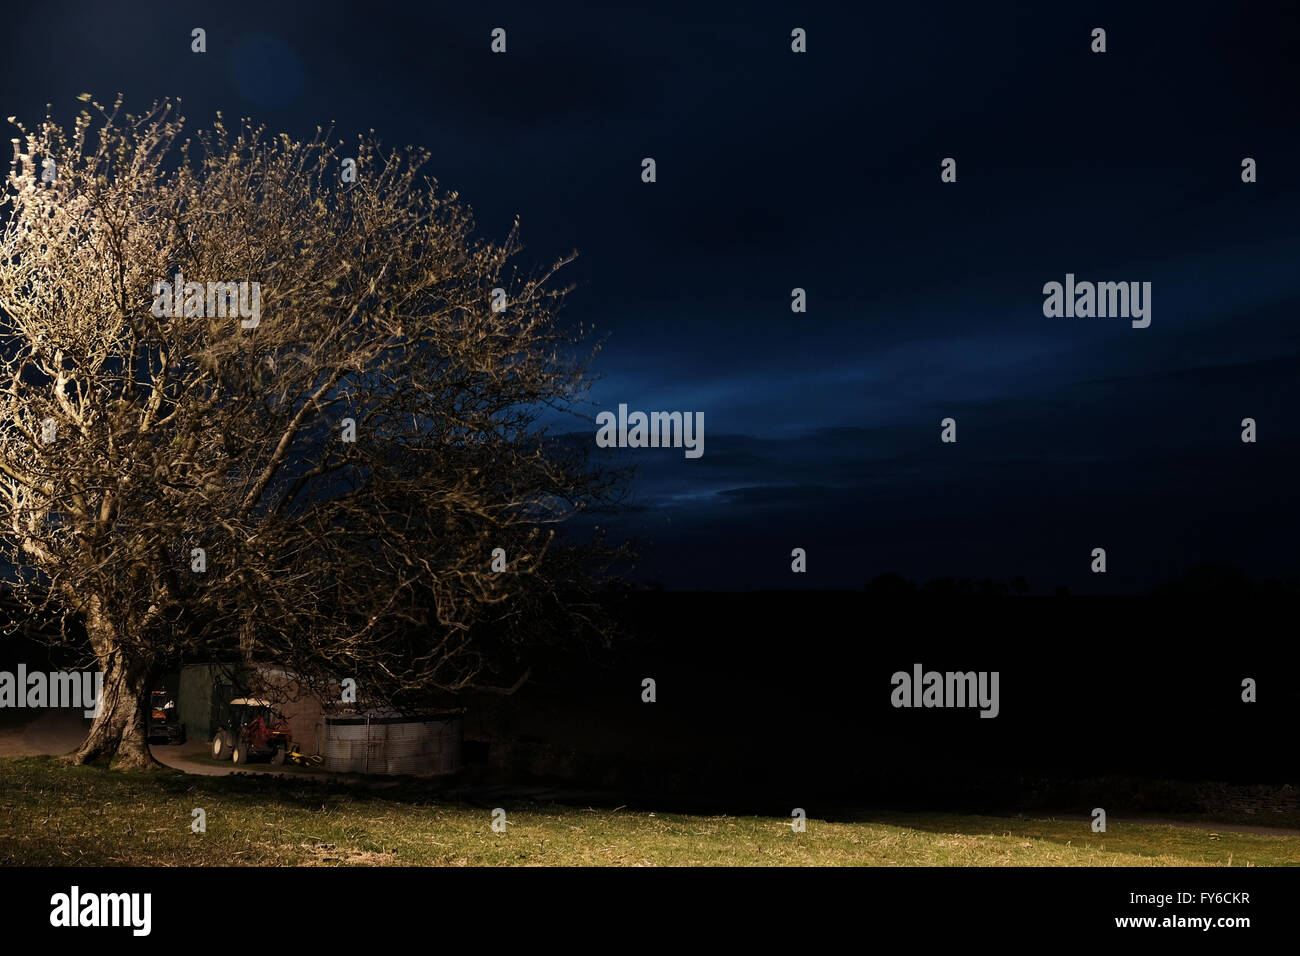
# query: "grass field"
{"type": "Point", "coordinates": [56, 815]}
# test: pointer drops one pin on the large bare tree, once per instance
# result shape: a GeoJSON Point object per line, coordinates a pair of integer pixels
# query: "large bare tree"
{"type": "Point", "coordinates": [274, 399]}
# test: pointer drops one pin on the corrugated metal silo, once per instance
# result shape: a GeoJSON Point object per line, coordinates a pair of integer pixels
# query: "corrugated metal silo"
{"type": "Point", "coordinates": [392, 744]}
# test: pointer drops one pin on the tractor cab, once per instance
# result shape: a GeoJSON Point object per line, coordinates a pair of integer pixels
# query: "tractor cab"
{"type": "Point", "coordinates": [253, 729]}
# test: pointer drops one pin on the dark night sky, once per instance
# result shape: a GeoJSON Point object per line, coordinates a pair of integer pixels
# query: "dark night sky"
{"type": "Point", "coordinates": [778, 170]}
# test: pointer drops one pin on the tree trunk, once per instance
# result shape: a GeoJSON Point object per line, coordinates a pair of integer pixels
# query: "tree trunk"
{"type": "Point", "coordinates": [120, 733]}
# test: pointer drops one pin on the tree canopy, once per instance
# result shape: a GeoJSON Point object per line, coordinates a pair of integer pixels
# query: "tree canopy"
{"type": "Point", "coordinates": [271, 398]}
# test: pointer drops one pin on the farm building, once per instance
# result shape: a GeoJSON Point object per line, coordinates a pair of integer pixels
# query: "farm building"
{"type": "Point", "coordinates": [206, 690]}
{"type": "Point", "coordinates": [350, 740]}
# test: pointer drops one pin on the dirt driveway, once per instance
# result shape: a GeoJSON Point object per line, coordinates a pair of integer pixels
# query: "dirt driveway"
{"type": "Point", "coordinates": [52, 732]}
{"type": "Point", "coordinates": [57, 732]}
{"type": "Point", "coordinates": [194, 756]}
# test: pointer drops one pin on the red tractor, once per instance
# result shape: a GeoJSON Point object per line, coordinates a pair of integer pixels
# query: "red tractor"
{"type": "Point", "coordinates": [253, 731]}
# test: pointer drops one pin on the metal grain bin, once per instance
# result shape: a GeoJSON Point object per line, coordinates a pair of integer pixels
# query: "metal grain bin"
{"type": "Point", "coordinates": [392, 744]}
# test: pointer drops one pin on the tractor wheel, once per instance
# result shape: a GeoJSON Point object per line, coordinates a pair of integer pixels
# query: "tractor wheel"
{"type": "Point", "coordinates": [221, 746]}
{"type": "Point", "coordinates": [277, 758]}
{"type": "Point", "coordinates": [240, 755]}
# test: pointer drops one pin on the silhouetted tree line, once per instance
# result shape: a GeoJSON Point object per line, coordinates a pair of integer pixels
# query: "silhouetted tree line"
{"type": "Point", "coordinates": [1210, 579]}
{"type": "Point", "coordinates": [893, 585]}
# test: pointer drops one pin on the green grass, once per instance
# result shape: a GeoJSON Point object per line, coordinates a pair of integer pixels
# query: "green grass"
{"type": "Point", "coordinates": [52, 814]}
